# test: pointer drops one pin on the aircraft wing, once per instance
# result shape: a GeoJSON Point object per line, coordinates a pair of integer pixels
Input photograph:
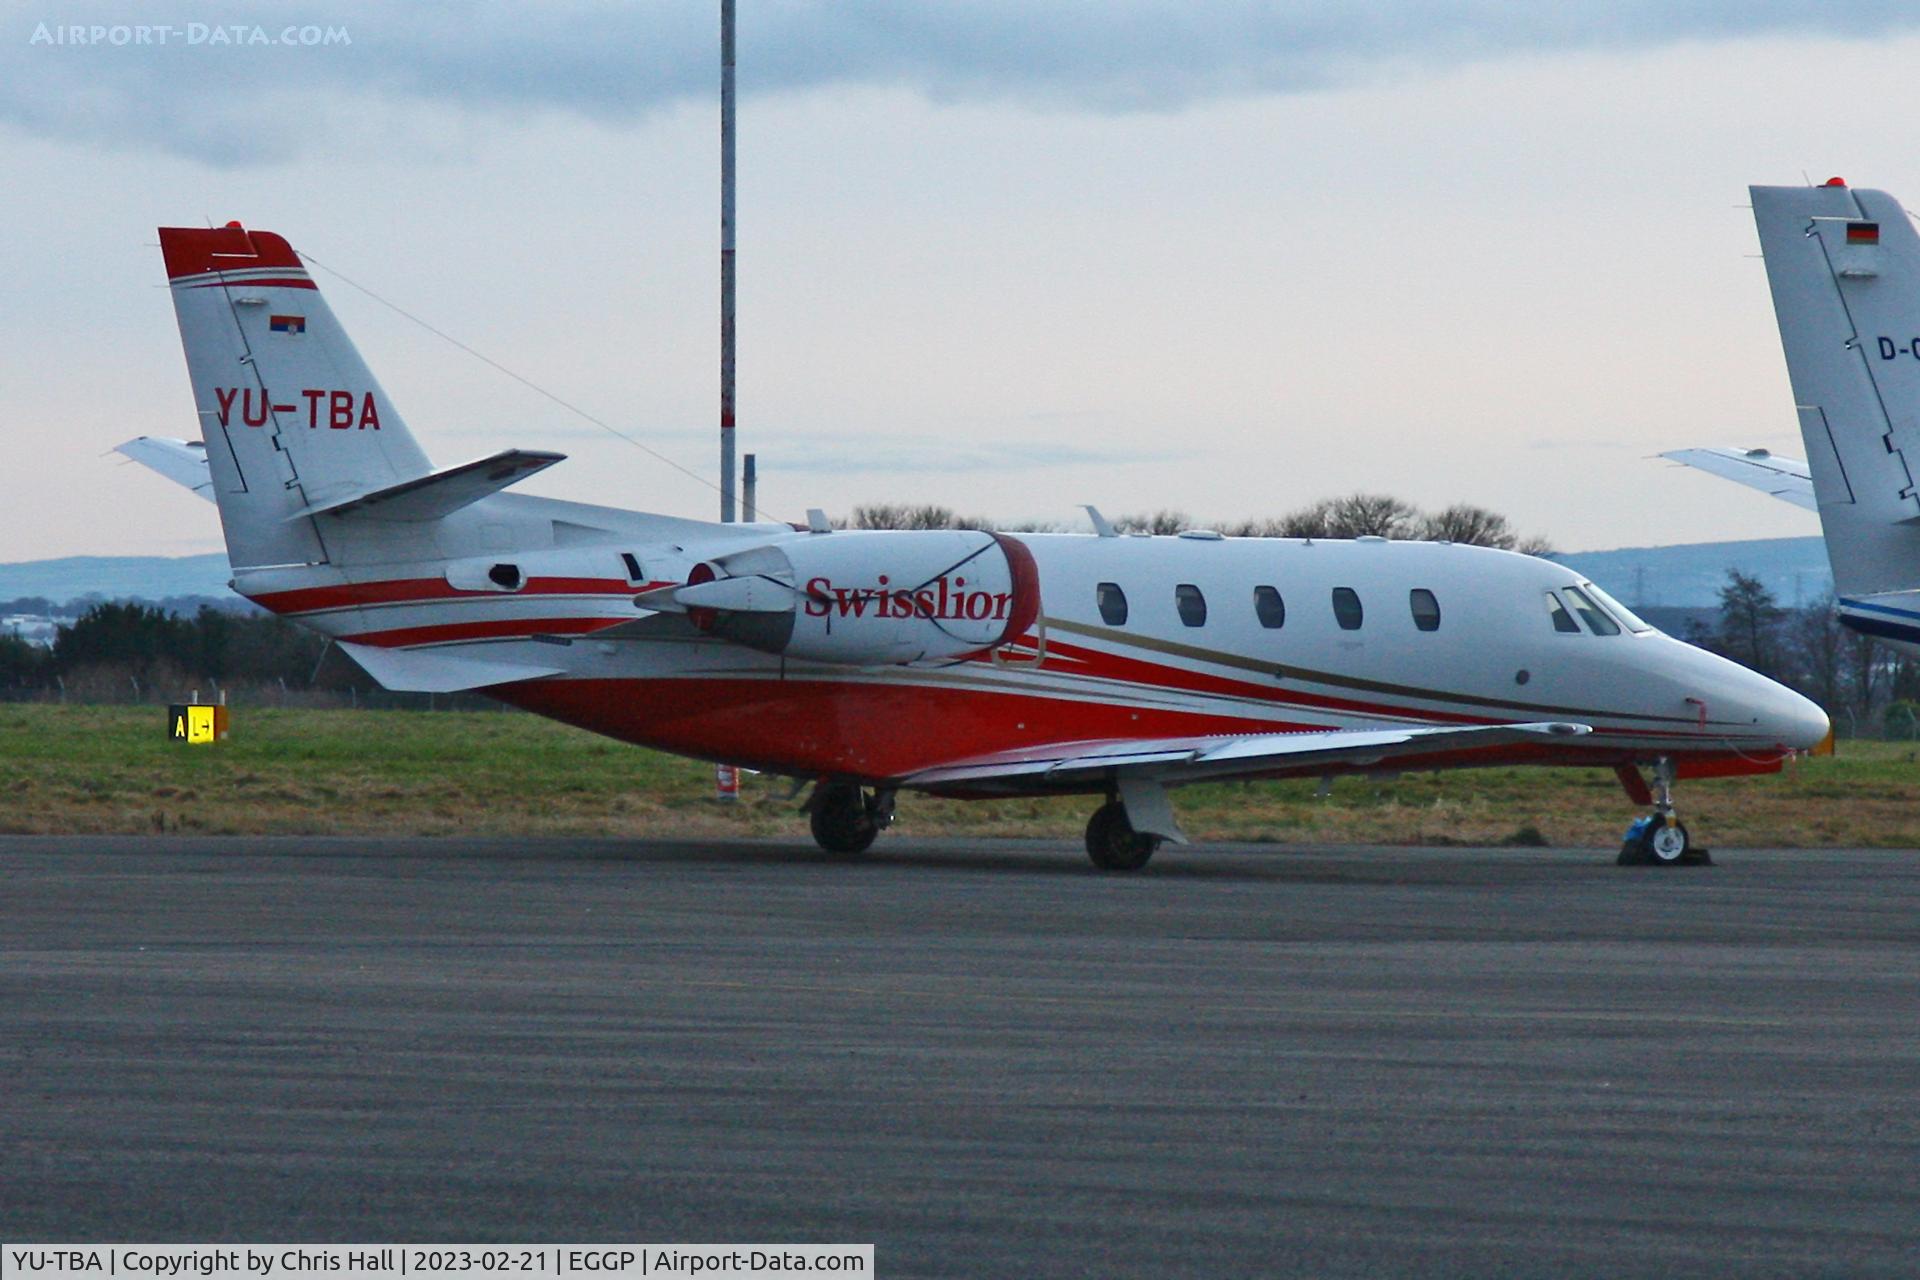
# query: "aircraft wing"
{"type": "Point", "coordinates": [1787, 479]}
{"type": "Point", "coordinates": [1170, 761]}
{"type": "Point", "coordinates": [182, 461]}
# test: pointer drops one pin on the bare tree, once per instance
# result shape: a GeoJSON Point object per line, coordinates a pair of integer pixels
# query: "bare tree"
{"type": "Point", "coordinates": [1371, 515]}
{"type": "Point", "coordinates": [1818, 640]}
{"type": "Point", "coordinates": [1258, 527]}
{"type": "Point", "coordinates": [1867, 669]}
{"type": "Point", "coordinates": [1353, 516]}
{"type": "Point", "coordinates": [1475, 526]}
{"type": "Point", "coordinates": [903, 515]}
{"type": "Point", "coordinates": [1750, 623]}
{"type": "Point", "coordinates": [1315, 521]}
{"type": "Point", "coordinates": [1160, 522]}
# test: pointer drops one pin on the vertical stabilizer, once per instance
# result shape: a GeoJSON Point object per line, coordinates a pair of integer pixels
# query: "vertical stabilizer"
{"type": "Point", "coordinates": [1844, 266]}
{"type": "Point", "coordinates": [291, 416]}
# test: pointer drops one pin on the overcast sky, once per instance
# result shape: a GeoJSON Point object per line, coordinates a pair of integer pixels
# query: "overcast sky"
{"type": "Point", "coordinates": [1228, 258]}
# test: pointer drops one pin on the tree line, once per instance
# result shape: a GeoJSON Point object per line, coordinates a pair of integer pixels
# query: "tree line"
{"type": "Point", "coordinates": [1357, 515]}
{"type": "Point", "coordinates": [1865, 686]}
{"type": "Point", "coordinates": [123, 650]}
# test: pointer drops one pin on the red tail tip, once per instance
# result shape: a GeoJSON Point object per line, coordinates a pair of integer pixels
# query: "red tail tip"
{"type": "Point", "coordinates": [192, 250]}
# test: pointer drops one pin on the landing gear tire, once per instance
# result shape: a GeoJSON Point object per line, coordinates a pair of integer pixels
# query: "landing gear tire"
{"type": "Point", "coordinates": [1112, 842]}
{"type": "Point", "coordinates": [1667, 844]}
{"type": "Point", "coordinates": [1660, 839]}
{"type": "Point", "coordinates": [843, 821]}
{"type": "Point", "coordinates": [1659, 845]}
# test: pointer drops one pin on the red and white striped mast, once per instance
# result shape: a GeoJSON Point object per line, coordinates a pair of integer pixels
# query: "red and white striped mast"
{"type": "Point", "coordinates": [726, 777]}
{"type": "Point", "coordinates": [726, 262]}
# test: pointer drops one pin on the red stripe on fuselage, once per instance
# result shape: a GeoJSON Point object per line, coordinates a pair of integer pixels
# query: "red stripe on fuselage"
{"type": "Point", "coordinates": [876, 731]}
{"type": "Point", "coordinates": [493, 629]}
{"type": "Point", "coordinates": [1111, 666]}
{"type": "Point", "coordinates": [417, 590]}
{"type": "Point", "coordinates": [288, 282]}
{"type": "Point", "coordinates": [871, 730]}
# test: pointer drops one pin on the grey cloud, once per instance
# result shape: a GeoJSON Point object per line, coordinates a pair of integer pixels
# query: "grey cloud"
{"type": "Point", "coordinates": [238, 105]}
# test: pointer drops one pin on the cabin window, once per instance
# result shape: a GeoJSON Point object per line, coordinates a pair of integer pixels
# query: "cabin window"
{"type": "Point", "coordinates": [1192, 605]}
{"type": "Point", "coordinates": [1113, 604]}
{"type": "Point", "coordinates": [1426, 609]}
{"type": "Point", "coordinates": [1269, 607]}
{"type": "Point", "coordinates": [1562, 620]}
{"type": "Point", "coordinates": [633, 567]}
{"type": "Point", "coordinates": [1346, 608]}
{"type": "Point", "coordinates": [1590, 613]}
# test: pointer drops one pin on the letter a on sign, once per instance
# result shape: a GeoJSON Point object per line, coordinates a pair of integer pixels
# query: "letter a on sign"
{"type": "Point", "coordinates": [196, 723]}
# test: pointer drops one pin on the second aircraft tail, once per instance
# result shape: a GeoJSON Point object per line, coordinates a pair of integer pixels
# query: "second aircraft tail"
{"type": "Point", "coordinates": [1844, 267]}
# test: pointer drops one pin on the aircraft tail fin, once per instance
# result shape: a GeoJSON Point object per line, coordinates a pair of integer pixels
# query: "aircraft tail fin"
{"type": "Point", "coordinates": [1844, 267]}
{"type": "Point", "coordinates": [292, 417]}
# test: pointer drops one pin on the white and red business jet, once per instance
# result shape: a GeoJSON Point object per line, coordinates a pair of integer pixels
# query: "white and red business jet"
{"type": "Point", "coordinates": [959, 663]}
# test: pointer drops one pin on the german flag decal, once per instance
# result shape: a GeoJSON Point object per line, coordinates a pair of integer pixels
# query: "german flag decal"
{"type": "Point", "coordinates": [1863, 233]}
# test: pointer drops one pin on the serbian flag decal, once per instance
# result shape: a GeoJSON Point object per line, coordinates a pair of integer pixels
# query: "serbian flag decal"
{"type": "Point", "coordinates": [298, 324]}
{"type": "Point", "coordinates": [1863, 233]}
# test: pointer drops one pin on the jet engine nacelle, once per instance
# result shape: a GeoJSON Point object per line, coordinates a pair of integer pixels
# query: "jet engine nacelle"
{"type": "Point", "coordinates": [866, 598]}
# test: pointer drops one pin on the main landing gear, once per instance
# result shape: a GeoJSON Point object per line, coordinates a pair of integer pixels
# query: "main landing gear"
{"type": "Point", "coordinates": [1112, 842]}
{"type": "Point", "coordinates": [846, 819]}
{"type": "Point", "coordinates": [1660, 839]}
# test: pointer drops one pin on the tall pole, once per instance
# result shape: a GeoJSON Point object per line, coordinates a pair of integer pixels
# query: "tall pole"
{"type": "Point", "coordinates": [726, 777]}
{"type": "Point", "coordinates": [726, 261]}
{"type": "Point", "coordinates": [750, 506]}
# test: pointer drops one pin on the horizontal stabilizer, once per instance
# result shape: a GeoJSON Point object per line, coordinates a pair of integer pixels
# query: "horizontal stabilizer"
{"type": "Point", "coordinates": [437, 671]}
{"type": "Point", "coordinates": [1177, 760]}
{"type": "Point", "coordinates": [1787, 479]}
{"type": "Point", "coordinates": [182, 461]}
{"type": "Point", "coordinates": [441, 493]}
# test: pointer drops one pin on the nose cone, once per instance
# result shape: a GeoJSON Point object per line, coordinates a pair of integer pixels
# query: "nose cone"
{"type": "Point", "coordinates": [1753, 706]}
{"type": "Point", "coordinates": [1797, 722]}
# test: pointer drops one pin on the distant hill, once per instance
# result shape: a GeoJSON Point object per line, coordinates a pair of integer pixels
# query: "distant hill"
{"type": "Point", "coordinates": [1690, 576]}
{"type": "Point", "coordinates": [1686, 577]}
{"type": "Point", "coordinates": [117, 577]}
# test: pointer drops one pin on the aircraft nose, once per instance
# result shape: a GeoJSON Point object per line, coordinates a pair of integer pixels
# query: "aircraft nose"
{"type": "Point", "coordinates": [1798, 722]}
{"type": "Point", "coordinates": [1735, 695]}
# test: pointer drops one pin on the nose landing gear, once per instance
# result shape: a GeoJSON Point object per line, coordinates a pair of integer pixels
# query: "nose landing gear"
{"type": "Point", "coordinates": [1660, 839]}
